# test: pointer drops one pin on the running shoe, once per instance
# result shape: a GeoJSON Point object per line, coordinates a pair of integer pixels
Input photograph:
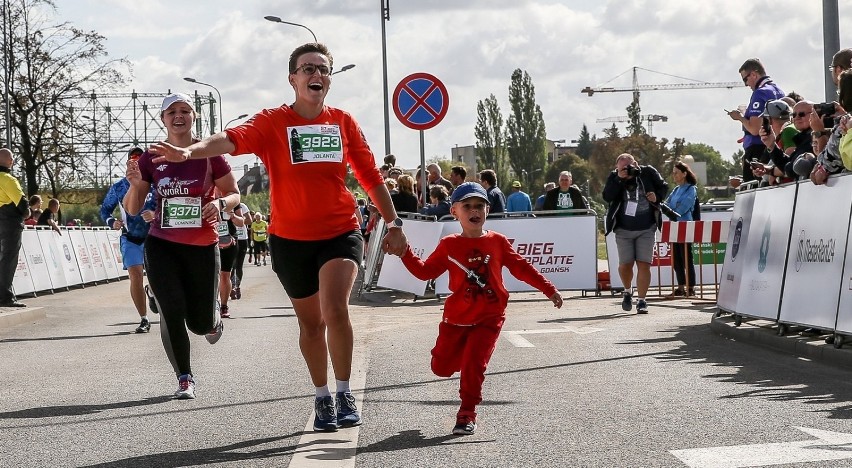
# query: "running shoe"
{"type": "Point", "coordinates": [152, 301]}
{"type": "Point", "coordinates": [186, 388]}
{"type": "Point", "coordinates": [347, 412]}
{"type": "Point", "coordinates": [234, 293]}
{"type": "Point", "coordinates": [144, 326]}
{"type": "Point", "coordinates": [223, 312]}
{"type": "Point", "coordinates": [325, 419]}
{"type": "Point", "coordinates": [238, 293]}
{"type": "Point", "coordinates": [214, 335]}
{"type": "Point", "coordinates": [465, 425]}
{"type": "Point", "coordinates": [627, 302]}
{"type": "Point", "coordinates": [641, 307]}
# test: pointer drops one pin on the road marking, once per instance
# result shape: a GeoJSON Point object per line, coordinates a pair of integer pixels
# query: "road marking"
{"type": "Point", "coordinates": [828, 445]}
{"type": "Point", "coordinates": [334, 449]}
{"type": "Point", "coordinates": [514, 336]}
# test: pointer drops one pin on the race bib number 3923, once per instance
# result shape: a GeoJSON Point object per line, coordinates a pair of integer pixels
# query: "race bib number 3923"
{"type": "Point", "coordinates": [315, 143]}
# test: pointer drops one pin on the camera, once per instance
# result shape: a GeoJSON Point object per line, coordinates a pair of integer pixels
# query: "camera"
{"type": "Point", "coordinates": [824, 109]}
{"type": "Point", "coordinates": [668, 211]}
{"type": "Point", "coordinates": [632, 171]}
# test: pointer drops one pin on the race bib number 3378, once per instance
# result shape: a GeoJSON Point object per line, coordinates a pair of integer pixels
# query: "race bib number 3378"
{"type": "Point", "coordinates": [181, 212]}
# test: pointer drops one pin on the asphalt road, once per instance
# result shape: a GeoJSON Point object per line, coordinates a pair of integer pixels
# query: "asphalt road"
{"type": "Point", "coordinates": [585, 386]}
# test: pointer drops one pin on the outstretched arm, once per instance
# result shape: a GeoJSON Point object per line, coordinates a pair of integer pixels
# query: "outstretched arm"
{"type": "Point", "coordinates": [213, 145]}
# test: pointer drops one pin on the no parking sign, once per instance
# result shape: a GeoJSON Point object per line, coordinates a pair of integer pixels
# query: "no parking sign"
{"type": "Point", "coordinates": [420, 101]}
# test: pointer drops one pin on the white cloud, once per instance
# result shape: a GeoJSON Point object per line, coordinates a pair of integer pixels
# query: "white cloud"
{"type": "Point", "coordinates": [473, 47]}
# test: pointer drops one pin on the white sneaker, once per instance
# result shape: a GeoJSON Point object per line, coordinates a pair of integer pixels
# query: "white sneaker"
{"type": "Point", "coordinates": [186, 388]}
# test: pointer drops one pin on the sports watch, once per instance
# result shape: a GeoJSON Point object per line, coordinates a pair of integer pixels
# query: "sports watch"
{"type": "Point", "coordinates": [223, 204]}
{"type": "Point", "coordinates": [396, 223]}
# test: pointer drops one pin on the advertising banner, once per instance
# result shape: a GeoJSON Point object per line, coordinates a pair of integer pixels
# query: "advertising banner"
{"type": "Point", "coordinates": [562, 248]}
{"type": "Point", "coordinates": [114, 242]}
{"type": "Point", "coordinates": [81, 253]}
{"type": "Point", "coordinates": [729, 286]}
{"type": "Point", "coordinates": [36, 260]}
{"type": "Point", "coordinates": [816, 255]}
{"type": "Point", "coordinates": [94, 248]}
{"type": "Point", "coordinates": [22, 283]}
{"type": "Point", "coordinates": [62, 263]}
{"type": "Point", "coordinates": [762, 267]}
{"type": "Point", "coordinates": [423, 237]}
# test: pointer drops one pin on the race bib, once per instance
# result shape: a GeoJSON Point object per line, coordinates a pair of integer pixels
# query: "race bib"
{"type": "Point", "coordinates": [222, 228]}
{"type": "Point", "coordinates": [181, 212]}
{"type": "Point", "coordinates": [242, 233]}
{"type": "Point", "coordinates": [315, 143]}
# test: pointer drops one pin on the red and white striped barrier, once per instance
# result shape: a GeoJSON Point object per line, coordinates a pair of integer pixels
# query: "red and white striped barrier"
{"type": "Point", "coordinates": [695, 231]}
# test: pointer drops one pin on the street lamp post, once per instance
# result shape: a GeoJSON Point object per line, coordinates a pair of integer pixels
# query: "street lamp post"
{"type": "Point", "coordinates": [276, 19]}
{"type": "Point", "coordinates": [385, 17]}
{"type": "Point", "coordinates": [193, 80]}
{"type": "Point", "coordinates": [242, 116]}
{"type": "Point", "coordinates": [344, 68]}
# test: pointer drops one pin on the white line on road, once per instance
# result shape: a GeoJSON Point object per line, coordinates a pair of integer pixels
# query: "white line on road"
{"type": "Point", "coordinates": [514, 336]}
{"type": "Point", "coordinates": [828, 445]}
{"type": "Point", "coordinates": [334, 449]}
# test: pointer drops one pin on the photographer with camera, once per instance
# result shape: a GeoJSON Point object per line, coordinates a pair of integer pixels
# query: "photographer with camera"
{"type": "Point", "coordinates": [633, 193]}
{"type": "Point", "coordinates": [829, 159]}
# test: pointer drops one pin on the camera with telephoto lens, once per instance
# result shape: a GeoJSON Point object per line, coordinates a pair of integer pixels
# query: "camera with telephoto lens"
{"type": "Point", "coordinates": [668, 211]}
{"type": "Point", "coordinates": [632, 171]}
{"type": "Point", "coordinates": [824, 109]}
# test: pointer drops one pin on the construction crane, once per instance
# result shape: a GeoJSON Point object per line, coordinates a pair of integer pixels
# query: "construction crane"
{"type": "Point", "coordinates": [636, 88]}
{"type": "Point", "coordinates": [650, 118]}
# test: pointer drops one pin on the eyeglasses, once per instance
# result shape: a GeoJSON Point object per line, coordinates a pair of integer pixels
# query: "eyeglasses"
{"type": "Point", "coordinates": [799, 115]}
{"type": "Point", "coordinates": [310, 69]}
{"type": "Point", "coordinates": [745, 78]}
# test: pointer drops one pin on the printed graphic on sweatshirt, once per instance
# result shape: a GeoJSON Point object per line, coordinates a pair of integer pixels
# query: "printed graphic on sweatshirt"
{"type": "Point", "coordinates": [477, 276]}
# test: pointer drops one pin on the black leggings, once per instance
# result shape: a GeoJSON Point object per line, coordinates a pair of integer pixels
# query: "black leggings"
{"type": "Point", "coordinates": [680, 268]}
{"type": "Point", "coordinates": [238, 265]}
{"type": "Point", "coordinates": [185, 282]}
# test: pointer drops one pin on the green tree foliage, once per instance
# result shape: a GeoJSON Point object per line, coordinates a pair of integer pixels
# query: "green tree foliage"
{"type": "Point", "coordinates": [580, 170]}
{"type": "Point", "coordinates": [525, 135]}
{"type": "Point", "coordinates": [584, 144]}
{"type": "Point", "coordinates": [717, 168]}
{"type": "Point", "coordinates": [491, 138]}
{"type": "Point", "coordinates": [634, 113]}
{"type": "Point", "coordinates": [49, 64]}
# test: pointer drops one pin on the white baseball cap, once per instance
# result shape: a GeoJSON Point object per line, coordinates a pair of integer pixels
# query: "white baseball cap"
{"type": "Point", "coordinates": [176, 97]}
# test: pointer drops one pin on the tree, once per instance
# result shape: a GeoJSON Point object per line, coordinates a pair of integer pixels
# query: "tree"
{"type": "Point", "coordinates": [490, 138]}
{"type": "Point", "coordinates": [525, 132]}
{"type": "Point", "coordinates": [584, 144]}
{"type": "Point", "coordinates": [634, 113]}
{"type": "Point", "coordinates": [44, 65]}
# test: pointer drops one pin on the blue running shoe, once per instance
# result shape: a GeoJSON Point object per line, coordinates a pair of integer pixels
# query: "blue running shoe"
{"type": "Point", "coordinates": [325, 419]}
{"type": "Point", "coordinates": [641, 307]}
{"type": "Point", "coordinates": [347, 412]}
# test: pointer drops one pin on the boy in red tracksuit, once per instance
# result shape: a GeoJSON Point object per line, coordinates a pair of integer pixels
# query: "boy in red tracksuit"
{"type": "Point", "coordinates": [476, 309]}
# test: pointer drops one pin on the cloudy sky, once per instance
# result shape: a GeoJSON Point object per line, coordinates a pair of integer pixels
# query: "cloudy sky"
{"type": "Point", "coordinates": [473, 46]}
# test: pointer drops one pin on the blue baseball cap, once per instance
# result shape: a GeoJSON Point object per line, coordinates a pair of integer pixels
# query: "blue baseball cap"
{"type": "Point", "coordinates": [468, 190]}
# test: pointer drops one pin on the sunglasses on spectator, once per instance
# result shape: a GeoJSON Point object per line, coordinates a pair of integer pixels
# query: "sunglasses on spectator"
{"type": "Point", "coordinates": [310, 69]}
{"type": "Point", "coordinates": [798, 115]}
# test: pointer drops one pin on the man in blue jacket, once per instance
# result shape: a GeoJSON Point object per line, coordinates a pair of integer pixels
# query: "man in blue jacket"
{"type": "Point", "coordinates": [633, 193]}
{"type": "Point", "coordinates": [134, 229]}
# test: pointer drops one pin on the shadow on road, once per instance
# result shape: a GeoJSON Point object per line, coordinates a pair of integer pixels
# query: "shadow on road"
{"type": "Point", "coordinates": [79, 410]}
{"type": "Point", "coordinates": [208, 456]}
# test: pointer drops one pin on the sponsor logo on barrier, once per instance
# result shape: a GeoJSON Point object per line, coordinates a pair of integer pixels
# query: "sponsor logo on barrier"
{"type": "Point", "coordinates": [814, 250]}
{"type": "Point", "coordinates": [738, 234]}
{"type": "Point", "coordinates": [67, 252]}
{"type": "Point", "coordinates": [764, 246]}
{"type": "Point", "coordinates": [758, 285]}
{"type": "Point", "coordinates": [540, 255]}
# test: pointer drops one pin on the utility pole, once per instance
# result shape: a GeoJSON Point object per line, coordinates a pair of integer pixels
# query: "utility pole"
{"type": "Point", "coordinates": [385, 17]}
{"type": "Point", "coordinates": [830, 44]}
{"type": "Point", "coordinates": [7, 64]}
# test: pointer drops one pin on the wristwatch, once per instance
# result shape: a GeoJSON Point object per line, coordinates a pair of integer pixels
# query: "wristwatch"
{"type": "Point", "coordinates": [396, 223]}
{"type": "Point", "coordinates": [223, 204]}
